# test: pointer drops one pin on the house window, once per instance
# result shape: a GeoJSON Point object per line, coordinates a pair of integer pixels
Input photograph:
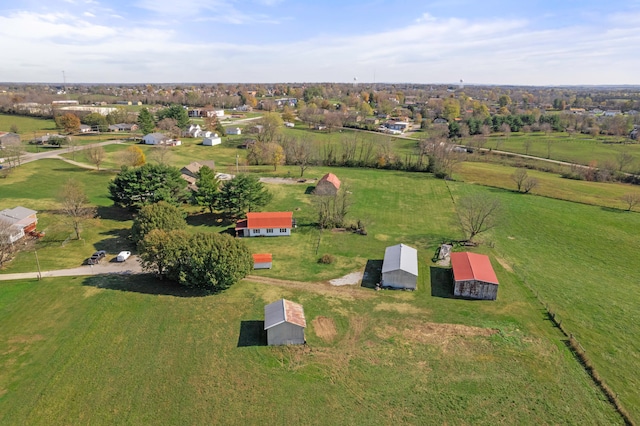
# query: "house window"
{"type": "Point", "coordinates": [255, 231]}
{"type": "Point", "coordinates": [269, 231]}
{"type": "Point", "coordinates": [283, 230]}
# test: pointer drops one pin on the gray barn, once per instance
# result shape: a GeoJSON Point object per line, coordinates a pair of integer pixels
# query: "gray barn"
{"type": "Point", "coordinates": [400, 267]}
{"type": "Point", "coordinates": [285, 323]}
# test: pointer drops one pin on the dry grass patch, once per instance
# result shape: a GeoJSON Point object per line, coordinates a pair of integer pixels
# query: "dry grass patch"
{"type": "Point", "coordinates": [432, 333]}
{"type": "Point", "coordinates": [401, 308]}
{"type": "Point", "coordinates": [504, 264]}
{"type": "Point", "coordinates": [325, 328]}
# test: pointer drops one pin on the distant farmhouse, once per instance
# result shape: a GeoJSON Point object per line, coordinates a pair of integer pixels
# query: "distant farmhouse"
{"type": "Point", "coordinates": [159, 139]}
{"type": "Point", "coordinates": [400, 267]}
{"type": "Point", "coordinates": [233, 131]}
{"type": "Point", "coordinates": [123, 127]}
{"type": "Point", "coordinates": [212, 140]}
{"type": "Point", "coordinates": [265, 224]}
{"type": "Point", "coordinates": [22, 221]}
{"type": "Point", "coordinates": [473, 276]}
{"type": "Point", "coordinates": [329, 184]}
{"type": "Point", "coordinates": [8, 138]}
{"type": "Point", "coordinates": [284, 323]}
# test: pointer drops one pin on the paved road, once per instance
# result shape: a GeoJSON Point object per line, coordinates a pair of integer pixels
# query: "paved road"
{"type": "Point", "coordinates": [131, 266]}
{"type": "Point", "coordinates": [56, 152]}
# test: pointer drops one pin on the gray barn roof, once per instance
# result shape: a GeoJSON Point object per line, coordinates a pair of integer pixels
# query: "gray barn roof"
{"type": "Point", "coordinates": [16, 214]}
{"type": "Point", "coordinates": [400, 257]}
{"type": "Point", "coordinates": [282, 311]}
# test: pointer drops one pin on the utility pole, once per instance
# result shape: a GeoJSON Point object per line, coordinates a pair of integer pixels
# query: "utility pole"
{"type": "Point", "coordinates": [38, 264]}
{"type": "Point", "coordinates": [237, 163]}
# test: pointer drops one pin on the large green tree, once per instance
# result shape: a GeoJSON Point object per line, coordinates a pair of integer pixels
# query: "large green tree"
{"type": "Point", "coordinates": [135, 187]}
{"type": "Point", "coordinates": [243, 193]}
{"type": "Point", "coordinates": [160, 215]}
{"type": "Point", "coordinates": [210, 261]}
{"type": "Point", "coordinates": [146, 121]}
{"type": "Point", "coordinates": [178, 113]}
{"type": "Point", "coordinates": [207, 189]}
{"type": "Point", "coordinates": [159, 249]}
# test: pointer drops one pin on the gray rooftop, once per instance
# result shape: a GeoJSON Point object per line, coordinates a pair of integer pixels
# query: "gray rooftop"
{"type": "Point", "coordinates": [400, 257]}
{"type": "Point", "coordinates": [282, 311]}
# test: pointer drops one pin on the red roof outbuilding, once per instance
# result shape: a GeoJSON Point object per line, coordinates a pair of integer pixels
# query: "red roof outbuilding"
{"type": "Point", "coordinates": [472, 266]}
{"type": "Point", "coordinates": [262, 258]}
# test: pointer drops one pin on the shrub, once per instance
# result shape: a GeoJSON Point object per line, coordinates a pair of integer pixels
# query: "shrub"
{"type": "Point", "coordinates": [327, 259]}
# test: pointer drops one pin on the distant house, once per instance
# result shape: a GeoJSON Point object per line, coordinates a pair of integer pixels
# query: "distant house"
{"type": "Point", "coordinates": [634, 133]}
{"type": "Point", "coordinates": [156, 139]}
{"type": "Point", "coordinates": [612, 113]}
{"type": "Point", "coordinates": [265, 224]}
{"type": "Point", "coordinates": [22, 221]}
{"type": "Point", "coordinates": [399, 126]}
{"type": "Point", "coordinates": [289, 124]}
{"type": "Point", "coordinates": [440, 120]}
{"type": "Point", "coordinates": [400, 267]}
{"type": "Point", "coordinates": [233, 131]}
{"type": "Point", "coordinates": [8, 138]}
{"type": "Point", "coordinates": [328, 185]}
{"type": "Point", "coordinates": [85, 128]}
{"type": "Point", "coordinates": [193, 131]}
{"type": "Point", "coordinates": [53, 139]}
{"type": "Point", "coordinates": [284, 323]}
{"type": "Point", "coordinates": [473, 276]}
{"type": "Point", "coordinates": [262, 261]}
{"type": "Point", "coordinates": [123, 127]}
{"type": "Point", "coordinates": [211, 140]}
{"type": "Point", "coordinates": [190, 171]}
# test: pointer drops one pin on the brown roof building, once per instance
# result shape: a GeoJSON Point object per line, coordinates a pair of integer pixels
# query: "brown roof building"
{"type": "Point", "coordinates": [328, 185]}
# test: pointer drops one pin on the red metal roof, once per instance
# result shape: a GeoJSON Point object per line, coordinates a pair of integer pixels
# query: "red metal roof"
{"type": "Point", "coordinates": [330, 177]}
{"type": "Point", "coordinates": [261, 220]}
{"type": "Point", "coordinates": [262, 258]}
{"type": "Point", "coordinates": [472, 266]}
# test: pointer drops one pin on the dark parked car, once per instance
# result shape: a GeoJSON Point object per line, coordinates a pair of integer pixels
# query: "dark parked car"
{"type": "Point", "coordinates": [96, 257]}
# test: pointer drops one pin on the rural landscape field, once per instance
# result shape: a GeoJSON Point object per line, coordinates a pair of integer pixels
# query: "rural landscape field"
{"type": "Point", "coordinates": [133, 349]}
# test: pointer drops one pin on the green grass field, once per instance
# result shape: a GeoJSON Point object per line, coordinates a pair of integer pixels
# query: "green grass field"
{"type": "Point", "coordinates": [130, 350]}
{"type": "Point", "coordinates": [99, 350]}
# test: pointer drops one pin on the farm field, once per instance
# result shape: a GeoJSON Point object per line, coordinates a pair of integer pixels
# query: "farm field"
{"type": "Point", "coordinates": [131, 350]}
{"type": "Point", "coordinates": [580, 149]}
{"type": "Point", "coordinates": [578, 256]}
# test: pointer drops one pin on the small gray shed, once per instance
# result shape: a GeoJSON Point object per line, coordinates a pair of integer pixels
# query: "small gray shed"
{"type": "Point", "coordinates": [400, 267]}
{"type": "Point", "coordinates": [285, 323]}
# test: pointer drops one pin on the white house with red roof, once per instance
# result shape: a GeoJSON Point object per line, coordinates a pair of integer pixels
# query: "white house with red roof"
{"type": "Point", "coordinates": [265, 224]}
{"type": "Point", "coordinates": [474, 276]}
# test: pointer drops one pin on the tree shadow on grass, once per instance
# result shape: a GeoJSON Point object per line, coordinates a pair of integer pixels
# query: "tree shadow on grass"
{"type": "Point", "coordinates": [372, 273]}
{"type": "Point", "coordinates": [114, 213]}
{"type": "Point", "coordinates": [441, 282]}
{"type": "Point", "coordinates": [142, 283]}
{"type": "Point", "coordinates": [252, 333]}
{"type": "Point", "coordinates": [209, 219]}
{"type": "Point", "coordinates": [116, 240]}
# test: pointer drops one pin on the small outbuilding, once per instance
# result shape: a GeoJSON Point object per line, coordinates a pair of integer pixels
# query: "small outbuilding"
{"type": "Point", "coordinates": [473, 276]}
{"type": "Point", "coordinates": [212, 140]}
{"type": "Point", "coordinates": [284, 323]}
{"type": "Point", "coordinates": [262, 261]}
{"type": "Point", "coordinates": [400, 267]}
{"type": "Point", "coordinates": [328, 185]}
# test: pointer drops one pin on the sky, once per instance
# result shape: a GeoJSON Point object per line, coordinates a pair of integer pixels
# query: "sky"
{"type": "Point", "coordinates": [502, 42]}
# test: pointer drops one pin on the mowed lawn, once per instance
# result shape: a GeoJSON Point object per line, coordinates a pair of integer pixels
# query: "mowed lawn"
{"type": "Point", "coordinates": [583, 262]}
{"type": "Point", "coordinates": [579, 258]}
{"type": "Point", "coordinates": [131, 350]}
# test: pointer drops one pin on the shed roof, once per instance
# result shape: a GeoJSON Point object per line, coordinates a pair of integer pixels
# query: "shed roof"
{"type": "Point", "coordinates": [262, 258]}
{"type": "Point", "coordinates": [260, 220]}
{"type": "Point", "coordinates": [333, 179]}
{"type": "Point", "coordinates": [472, 266]}
{"type": "Point", "coordinates": [400, 257]}
{"type": "Point", "coordinates": [281, 311]}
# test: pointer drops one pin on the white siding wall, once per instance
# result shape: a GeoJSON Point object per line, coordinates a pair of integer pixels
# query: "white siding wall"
{"type": "Point", "coordinates": [399, 279]}
{"type": "Point", "coordinates": [270, 232]}
{"type": "Point", "coordinates": [285, 334]}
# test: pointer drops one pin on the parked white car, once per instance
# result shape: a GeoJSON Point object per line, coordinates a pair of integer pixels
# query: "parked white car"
{"type": "Point", "coordinates": [122, 256]}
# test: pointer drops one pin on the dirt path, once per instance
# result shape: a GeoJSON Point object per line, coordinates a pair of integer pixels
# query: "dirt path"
{"type": "Point", "coordinates": [351, 292]}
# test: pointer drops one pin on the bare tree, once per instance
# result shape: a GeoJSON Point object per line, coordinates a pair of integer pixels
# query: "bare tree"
{"type": "Point", "coordinates": [161, 154]}
{"type": "Point", "coordinates": [299, 152]}
{"type": "Point", "coordinates": [333, 209]}
{"type": "Point", "coordinates": [75, 205]}
{"type": "Point", "coordinates": [524, 183]}
{"type": "Point", "coordinates": [73, 144]}
{"type": "Point", "coordinates": [6, 244]}
{"type": "Point", "coordinates": [624, 159]}
{"type": "Point", "coordinates": [443, 156]}
{"type": "Point", "coordinates": [95, 155]}
{"type": "Point", "coordinates": [631, 200]}
{"type": "Point", "coordinates": [527, 145]}
{"type": "Point", "coordinates": [477, 213]}
{"type": "Point", "coordinates": [506, 132]}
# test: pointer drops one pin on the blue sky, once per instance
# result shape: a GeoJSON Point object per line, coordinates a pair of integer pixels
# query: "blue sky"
{"type": "Point", "coordinates": [538, 42]}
